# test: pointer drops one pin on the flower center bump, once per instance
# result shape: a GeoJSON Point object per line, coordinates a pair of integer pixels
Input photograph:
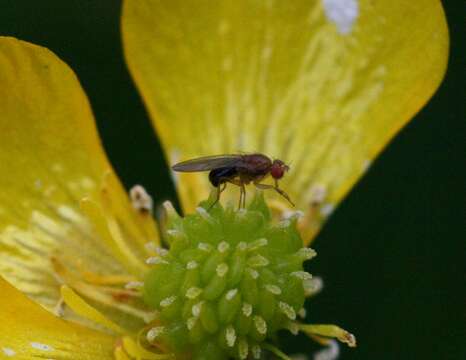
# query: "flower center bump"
{"type": "Point", "coordinates": [229, 280]}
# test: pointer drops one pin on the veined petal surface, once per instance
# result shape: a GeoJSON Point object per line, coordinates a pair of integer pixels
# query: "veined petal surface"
{"type": "Point", "coordinates": [50, 158]}
{"type": "Point", "coordinates": [322, 85]}
{"type": "Point", "coordinates": [29, 332]}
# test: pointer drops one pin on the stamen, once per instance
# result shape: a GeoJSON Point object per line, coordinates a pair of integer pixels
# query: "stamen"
{"type": "Point", "coordinates": [222, 269]}
{"type": "Point", "coordinates": [257, 244]}
{"type": "Point", "coordinates": [223, 247]}
{"type": "Point", "coordinates": [160, 251]}
{"type": "Point", "coordinates": [100, 294]}
{"type": "Point", "coordinates": [230, 336]}
{"type": "Point", "coordinates": [174, 232]}
{"type": "Point", "coordinates": [258, 261]}
{"type": "Point", "coordinates": [302, 275]}
{"type": "Point", "coordinates": [82, 308]}
{"type": "Point", "coordinates": [247, 309]}
{"type": "Point", "coordinates": [204, 247]}
{"type": "Point", "coordinates": [205, 215]}
{"type": "Point", "coordinates": [242, 246]}
{"type": "Point", "coordinates": [331, 331]}
{"type": "Point", "coordinates": [154, 333]}
{"type": "Point", "coordinates": [331, 352]}
{"type": "Point", "coordinates": [256, 351]}
{"type": "Point", "coordinates": [327, 209]}
{"type": "Point", "coordinates": [292, 215]}
{"type": "Point", "coordinates": [313, 286]}
{"type": "Point", "coordinates": [284, 224]}
{"type": "Point", "coordinates": [287, 310]}
{"type": "Point", "coordinates": [231, 294]}
{"type": "Point", "coordinates": [318, 194]}
{"type": "Point", "coordinates": [151, 246]}
{"type": "Point", "coordinates": [156, 260]}
{"type": "Point", "coordinates": [110, 231]}
{"type": "Point", "coordinates": [306, 253]}
{"type": "Point", "coordinates": [134, 285]}
{"type": "Point", "coordinates": [191, 322]}
{"type": "Point", "coordinates": [302, 313]}
{"type": "Point", "coordinates": [192, 265]}
{"type": "Point", "coordinates": [136, 351]}
{"type": "Point", "coordinates": [170, 210]}
{"type": "Point", "coordinates": [167, 301]}
{"type": "Point", "coordinates": [260, 324]}
{"type": "Point", "coordinates": [193, 292]}
{"type": "Point", "coordinates": [97, 279]}
{"type": "Point", "coordinates": [59, 309]}
{"type": "Point", "coordinates": [196, 309]}
{"type": "Point", "coordinates": [254, 274]}
{"type": "Point", "coordinates": [274, 289]}
{"type": "Point", "coordinates": [293, 327]}
{"type": "Point", "coordinates": [243, 348]}
{"type": "Point", "coordinates": [120, 354]}
{"type": "Point", "coordinates": [140, 199]}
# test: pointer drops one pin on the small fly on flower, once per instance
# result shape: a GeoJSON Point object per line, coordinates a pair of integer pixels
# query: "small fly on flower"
{"type": "Point", "coordinates": [238, 169]}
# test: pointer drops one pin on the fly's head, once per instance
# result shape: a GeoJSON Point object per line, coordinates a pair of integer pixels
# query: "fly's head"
{"type": "Point", "coordinates": [278, 169]}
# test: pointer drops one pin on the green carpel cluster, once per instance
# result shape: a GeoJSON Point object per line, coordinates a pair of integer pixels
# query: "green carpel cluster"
{"type": "Point", "coordinates": [229, 281]}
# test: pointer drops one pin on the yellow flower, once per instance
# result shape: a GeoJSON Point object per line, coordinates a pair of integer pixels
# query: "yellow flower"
{"type": "Point", "coordinates": [322, 85]}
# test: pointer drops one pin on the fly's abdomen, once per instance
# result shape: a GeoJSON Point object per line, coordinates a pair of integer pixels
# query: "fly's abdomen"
{"type": "Point", "coordinates": [220, 175]}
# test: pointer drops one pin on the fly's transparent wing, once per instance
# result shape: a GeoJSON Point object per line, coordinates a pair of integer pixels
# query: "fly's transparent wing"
{"type": "Point", "coordinates": [207, 163]}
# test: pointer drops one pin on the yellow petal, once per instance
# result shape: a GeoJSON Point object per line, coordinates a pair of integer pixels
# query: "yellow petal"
{"type": "Point", "coordinates": [322, 85]}
{"type": "Point", "coordinates": [28, 332]}
{"type": "Point", "coordinates": [50, 158]}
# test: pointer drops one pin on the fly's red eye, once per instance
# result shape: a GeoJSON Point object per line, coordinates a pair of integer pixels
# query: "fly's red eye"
{"type": "Point", "coordinates": [277, 172]}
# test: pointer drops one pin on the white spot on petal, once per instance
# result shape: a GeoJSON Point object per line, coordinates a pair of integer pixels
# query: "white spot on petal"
{"type": "Point", "coordinates": [40, 346]}
{"type": "Point", "coordinates": [8, 351]}
{"type": "Point", "coordinates": [342, 13]}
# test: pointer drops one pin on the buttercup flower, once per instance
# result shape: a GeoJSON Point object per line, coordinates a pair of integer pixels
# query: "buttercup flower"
{"type": "Point", "coordinates": [86, 273]}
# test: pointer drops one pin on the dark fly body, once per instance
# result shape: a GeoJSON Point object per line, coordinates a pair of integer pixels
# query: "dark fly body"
{"type": "Point", "coordinates": [238, 169]}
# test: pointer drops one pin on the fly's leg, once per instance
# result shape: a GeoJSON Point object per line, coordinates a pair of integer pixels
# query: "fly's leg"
{"type": "Point", "coordinates": [242, 192]}
{"type": "Point", "coordinates": [276, 188]}
{"type": "Point", "coordinates": [244, 195]}
{"type": "Point", "coordinates": [220, 189]}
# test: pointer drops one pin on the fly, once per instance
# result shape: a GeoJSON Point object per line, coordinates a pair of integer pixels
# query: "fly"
{"type": "Point", "coordinates": [238, 169]}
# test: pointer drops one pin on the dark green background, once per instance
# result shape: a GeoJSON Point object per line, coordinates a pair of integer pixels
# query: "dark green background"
{"type": "Point", "coordinates": [392, 255]}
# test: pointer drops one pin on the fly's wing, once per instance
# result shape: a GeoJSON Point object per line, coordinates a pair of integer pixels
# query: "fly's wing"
{"type": "Point", "coordinates": [207, 163]}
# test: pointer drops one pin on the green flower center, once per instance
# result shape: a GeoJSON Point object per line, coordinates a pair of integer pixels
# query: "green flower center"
{"type": "Point", "coordinates": [229, 281]}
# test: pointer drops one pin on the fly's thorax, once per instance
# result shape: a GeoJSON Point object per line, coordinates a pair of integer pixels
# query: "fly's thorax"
{"type": "Point", "coordinates": [255, 165]}
{"type": "Point", "coordinates": [230, 280]}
